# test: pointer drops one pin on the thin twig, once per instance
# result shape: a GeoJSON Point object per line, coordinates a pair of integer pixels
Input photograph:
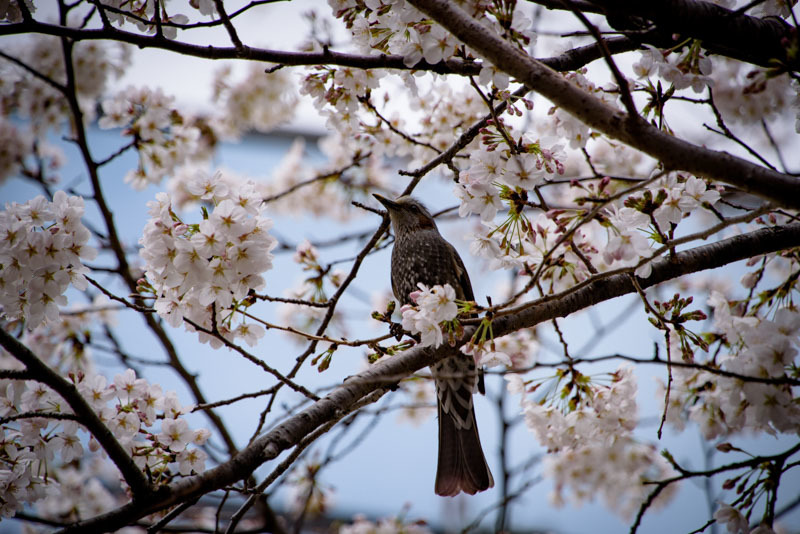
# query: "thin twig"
{"type": "Point", "coordinates": [622, 82]}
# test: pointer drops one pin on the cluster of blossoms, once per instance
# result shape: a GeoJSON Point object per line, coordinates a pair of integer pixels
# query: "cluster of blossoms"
{"type": "Point", "coordinates": [138, 405]}
{"type": "Point", "coordinates": [143, 15]}
{"type": "Point", "coordinates": [747, 96]}
{"type": "Point", "coordinates": [160, 134]}
{"type": "Point", "coordinates": [130, 407]}
{"type": "Point", "coordinates": [325, 190]}
{"type": "Point", "coordinates": [393, 525]}
{"type": "Point", "coordinates": [340, 88]}
{"type": "Point", "coordinates": [30, 442]}
{"type": "Point", "coordinates": [258, 102]}
{"type": "Point", "coordinates": [524, 244]}
{"type": "Point", "coordinates": [565, 126]}
{"type": "Point", "coordinates": [295, 187]}
{"type": "Point", "coordinates": [41, 452]}
{"type": "Point", "coordinates": [496, 174]}
{"type": "Point", "coordinates": [444, 114]}
{"type": "Point", "coordinates": [611, 158]}
{"type": "Point", "coordinates": [204, 272]}
{"type": "Point", "coordinates": [432, 306]}
{"type": "Point", "coordinates": [759, 347]}
{"type": "Point", "coordinates": [435, 308]}
{"type": "Point", "coordinates": [29, 96]}
{"type": "Point", "coordinates": [65, 344]}
{"type": "Point", "coordinates": [83, 491]}
{"type": "Point", "coordinates": [538, 243]}
{"type": "Point", "coordinates": [521, 348]}
{"type": "Point", "coordinates": [592, 451]}
{"type": "Point", "coordinates": [396, 27]}
{"type": "Point", "coordinates": [443, 111]}
{"type": "Point", "coordinates": [689, 67]}
{"type": "Point", "coordinates": [42, 244]}
{"type": "Point", "coordinates": [167, 140]}
{"type": "Point", "coordinates": [663, 206]}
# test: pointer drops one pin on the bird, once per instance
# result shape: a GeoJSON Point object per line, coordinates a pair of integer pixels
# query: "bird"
{"type": "Point", "coordinates": [421, 255]}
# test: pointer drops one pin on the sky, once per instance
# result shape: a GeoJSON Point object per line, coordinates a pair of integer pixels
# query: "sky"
{"type": "Point", "coordinates": [375, 479]}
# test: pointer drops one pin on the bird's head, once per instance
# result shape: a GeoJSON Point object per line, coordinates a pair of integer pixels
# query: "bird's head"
{"type": "Point", "coordinates": [407, 214]}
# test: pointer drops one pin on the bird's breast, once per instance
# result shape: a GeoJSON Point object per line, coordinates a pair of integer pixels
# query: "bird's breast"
{"type": "Point", "coordinates": [422, 257]}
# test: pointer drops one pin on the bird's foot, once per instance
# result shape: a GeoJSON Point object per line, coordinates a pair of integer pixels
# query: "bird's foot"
{"type": "Point", "coordinates": [396, 329]}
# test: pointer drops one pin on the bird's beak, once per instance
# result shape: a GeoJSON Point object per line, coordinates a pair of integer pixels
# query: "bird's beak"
{"type": "Point", "coordinates": [389, 204]}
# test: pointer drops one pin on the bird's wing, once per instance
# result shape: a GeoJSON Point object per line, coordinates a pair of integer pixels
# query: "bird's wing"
{"type": "Point", "coordinates": [461, 275]}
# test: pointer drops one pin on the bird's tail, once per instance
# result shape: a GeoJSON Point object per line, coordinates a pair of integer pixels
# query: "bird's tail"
{"type": "Point", "coordinates": [462, 465]}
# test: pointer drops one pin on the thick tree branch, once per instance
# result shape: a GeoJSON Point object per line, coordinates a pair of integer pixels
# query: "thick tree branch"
{"type": "Point", "coordinates": [87, 417]}
{"type": "Point", "coordinates": [636, 132]}
{"type": "Point", "coordinates": [694, 260]}
{"type": "Point", "coordinates": [761, 41]}
{"type": "Point", "coordinates": [389, 371]}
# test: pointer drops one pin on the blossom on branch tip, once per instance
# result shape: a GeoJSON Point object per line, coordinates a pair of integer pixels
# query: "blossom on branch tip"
{"type": "Point", "coordinates": [434, 305]}
{"type": "Point", "coordinates": [42, 244]}
{"type": "Point", "coordinates": [733, 520]}
{"type": "Point", "coordinates": [215, 264]}
{"type": "Point", "coordinates": [191, 461]}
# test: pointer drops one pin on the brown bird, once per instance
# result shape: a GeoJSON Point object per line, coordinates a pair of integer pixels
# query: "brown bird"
{"type": "Point", "coordinates": [421, 255]}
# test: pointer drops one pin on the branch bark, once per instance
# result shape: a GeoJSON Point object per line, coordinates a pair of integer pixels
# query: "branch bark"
{"type": "Point", "coordinates": [722, 30]}
{"type": "Point", "coordinates": [115, 243]}
{"type": "Point", "coordinates": [570, 60]}
{"type": "Point", "coordinates": [634, 131]}
{"type": "Point", "coordinates": [391, 370]}
{"type": "Point", "coordinates": [690, 261]}
{"type": "Point", "coordinates": [41, 372]}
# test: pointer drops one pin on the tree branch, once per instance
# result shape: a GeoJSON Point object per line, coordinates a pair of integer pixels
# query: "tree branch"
{"type": "Point", "coordinates": [115, 243]}
{"type": "Point", "coordinates": [570, 60]}
{"type": "Point", "coordinates": [636, 132]}
{"type": "Point", "coordinates": [761, 41]}
{"type": "Point", "coordinates": [388, 371]}
{"type": "Point", "coordinates": [698, 259]}
{"type": "Point", "coordinates": [88, 418]}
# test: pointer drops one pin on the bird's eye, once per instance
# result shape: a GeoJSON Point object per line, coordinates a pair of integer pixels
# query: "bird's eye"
{"type": "Point", "coordinates": [414, 208]}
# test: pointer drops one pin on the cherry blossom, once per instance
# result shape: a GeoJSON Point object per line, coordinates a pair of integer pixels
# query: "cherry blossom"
{"type": "Point", "coordinates": [260, 102]}
{"type": "Point", "coordinates": [433, 305]}
{"type": "Point", "coordinates": [592, 449]}
{"type": "Point", "coordinates": [215, 265]}
{"type": "Point", "coordinates": [43, 244]}
{"type": "Point", "coordinates": [161, 136]}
